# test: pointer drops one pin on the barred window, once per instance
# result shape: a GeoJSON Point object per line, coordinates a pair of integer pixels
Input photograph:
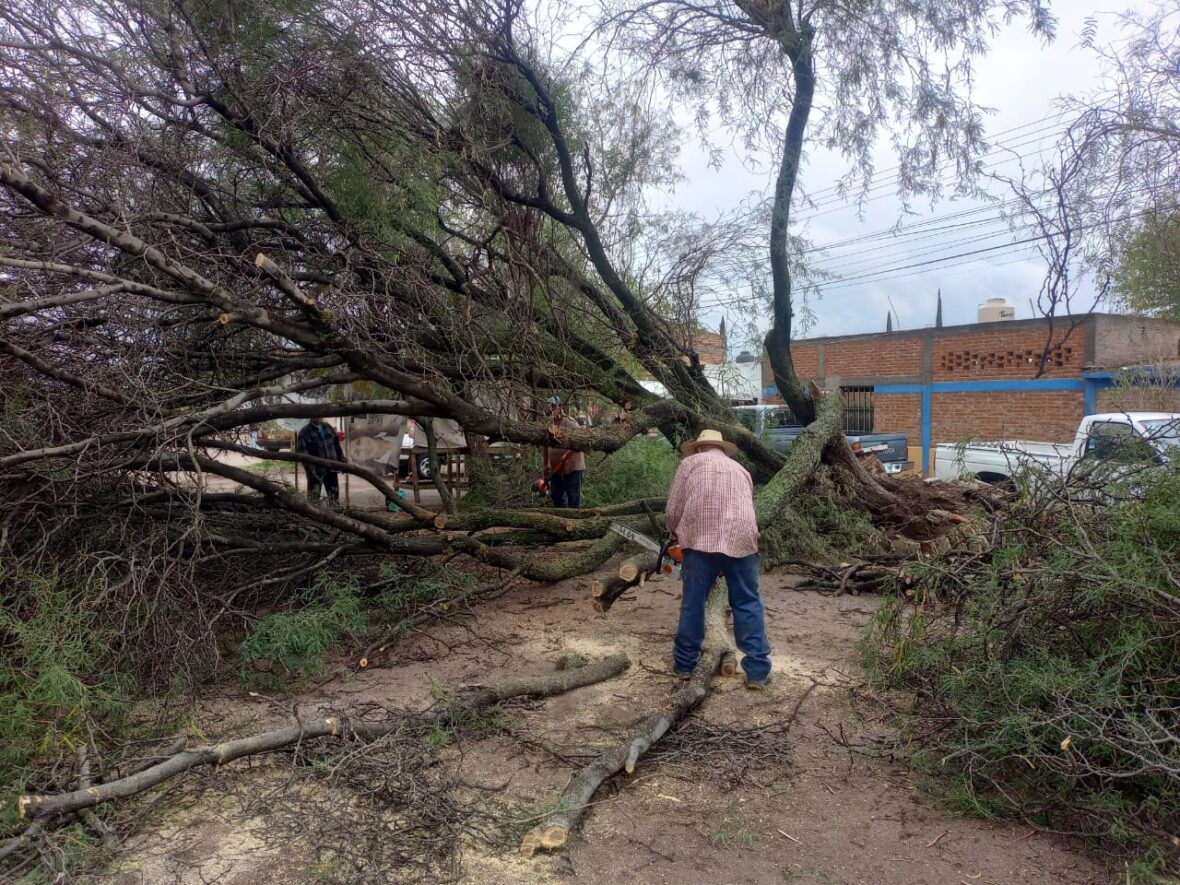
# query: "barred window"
{"type": "Point", "coordinates": [858, 409]}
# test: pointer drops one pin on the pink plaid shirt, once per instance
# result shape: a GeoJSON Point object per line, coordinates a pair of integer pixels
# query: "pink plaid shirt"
{"type": "Point", "coordinates": [711, 505]}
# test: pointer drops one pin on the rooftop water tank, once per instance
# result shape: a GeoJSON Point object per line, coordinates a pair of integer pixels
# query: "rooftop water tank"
{"type": "Point", "coordinates": [996, 310]}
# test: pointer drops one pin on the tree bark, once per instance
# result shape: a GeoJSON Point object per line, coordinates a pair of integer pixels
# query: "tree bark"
{"type": "Point", "coordinates": [796, 44]}
{"type": "Point", "coordinates": [38, 807]}
{"type": "Point", "coordinates": [803, 457]}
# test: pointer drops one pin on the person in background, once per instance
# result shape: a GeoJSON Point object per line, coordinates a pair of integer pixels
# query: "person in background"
{"type": "Point", "coordinates": [711, 517]}
{"type": "Point", "coordinates": [318, 439]}
{"type": "Point", "coordinates": [563, 467]}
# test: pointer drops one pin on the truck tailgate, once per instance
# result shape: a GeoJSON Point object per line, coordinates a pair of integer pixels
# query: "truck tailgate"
{"type": "Point", "coordinates": [895, 445]}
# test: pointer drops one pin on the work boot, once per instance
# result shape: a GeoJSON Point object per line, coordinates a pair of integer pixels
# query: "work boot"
{"type": "Point", "coordinates": [759, 684]}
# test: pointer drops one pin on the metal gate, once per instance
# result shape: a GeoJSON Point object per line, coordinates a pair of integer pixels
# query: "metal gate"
{"type": "Point", "coordinates": [858, 409]}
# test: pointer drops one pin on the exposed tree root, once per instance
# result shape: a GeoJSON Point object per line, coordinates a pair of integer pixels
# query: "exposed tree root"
{"type": "Point", "coordinates": [40, 807]}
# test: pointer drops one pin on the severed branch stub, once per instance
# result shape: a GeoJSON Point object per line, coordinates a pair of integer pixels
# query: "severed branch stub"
{"type": "Point", "coordinates": [630, 573]}
{"type": "Point", "coordinates": [40, 807]}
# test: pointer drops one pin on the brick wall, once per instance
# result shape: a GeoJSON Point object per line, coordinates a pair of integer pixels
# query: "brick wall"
{"type": "Point", "coordinates": [710, 347]}
{"type": "Point", "coordinates": [892, 357]}
{"type": "Point", "coordinates": [1006, 353]}
{"type": "Point", "coordinates": [806, 357]}
{"type": "Point", "coordinates": [899, 412]}
{"type": "Point", "coordinates": [1051, 416]}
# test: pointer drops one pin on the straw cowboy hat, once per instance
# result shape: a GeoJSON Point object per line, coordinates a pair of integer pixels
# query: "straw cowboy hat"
{"type": "Point", "coordinates": [708, 438]}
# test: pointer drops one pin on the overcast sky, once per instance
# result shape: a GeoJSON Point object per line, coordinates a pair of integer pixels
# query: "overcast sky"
{"type": "Point", "coordinates": [1020, 79]}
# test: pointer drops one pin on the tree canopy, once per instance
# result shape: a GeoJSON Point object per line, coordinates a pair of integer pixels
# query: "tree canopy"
{"type": "Point", "coordinates": [208, 209]}
{"type": "Point", "coordinates": [1147, 276]}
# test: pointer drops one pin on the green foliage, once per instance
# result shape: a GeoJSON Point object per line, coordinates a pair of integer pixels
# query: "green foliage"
{"type": "Point", "coordinates": [1148, 273]}
{"type": "Point", "coordinates": [643, 468]}
{"type": "Point", "coordinates": [408, 592]}
{"type": "Point", "coordinates": [818, 527]}
{"type": "Point", "coordinates": [57, 684]}
{"type": "Point", "coordinates": [503, 482]}
{"type": "Point", "coordinates": [288, 645]}
{"type": "Point", "coordinates": [1044, 673]}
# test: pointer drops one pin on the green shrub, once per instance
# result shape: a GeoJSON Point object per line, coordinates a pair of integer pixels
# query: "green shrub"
{"type": "Point", "coordinates": [1045, 674]}
{"type": "Point", "coordinates": [57, 684]}
{"type": "Point", "coordinates": [406, 593]}
{"type": "Point", "coordinates": [286, 646]}
{"type": "Point", "coordinates": [643, 468]}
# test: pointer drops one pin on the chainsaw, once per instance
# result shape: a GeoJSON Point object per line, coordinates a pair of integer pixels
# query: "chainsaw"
{"type": "Point", "coordinates": [541, 486]}
{"type": "Point", "coordinates": [668, 555]}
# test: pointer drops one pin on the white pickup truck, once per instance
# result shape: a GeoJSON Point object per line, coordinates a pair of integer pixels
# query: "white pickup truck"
{"type": "Point", "coordinates": [1125, 437]}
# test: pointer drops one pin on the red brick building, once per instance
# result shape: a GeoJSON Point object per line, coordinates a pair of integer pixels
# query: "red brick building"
{"type": "Point", "coordinates": [981, 380]}
{"type": "Point", "coordinates": [710, 347]}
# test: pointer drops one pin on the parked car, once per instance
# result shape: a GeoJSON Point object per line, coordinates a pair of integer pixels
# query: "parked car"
{"type": "Point", "coordinates": [393, 444]}
{"type": "Point", "coordinates": [274, 441]}
{"type": "Point", "coordinates": [1120, 437]}
{"type": "Point", "coordinates": [778, 427]}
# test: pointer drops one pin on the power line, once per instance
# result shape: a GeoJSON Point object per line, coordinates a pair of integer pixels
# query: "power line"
{"type": "Point", "coordinates": [1036, 239]}
{"type": "Point", "coordinates": [904, 230]}
{"type": "Point", "coordinates": [845, 261]}
{"type": "Point", "coordinates": [948, 173]}
{"type": "Point", "coordinates": [892, 273]}
{"type": "Point", "coordinates": [823, 193]}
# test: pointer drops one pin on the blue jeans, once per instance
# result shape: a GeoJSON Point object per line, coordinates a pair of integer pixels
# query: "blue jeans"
{"type": "Point", "coordinates": [566, 488]}
{"type": "Point", "coordinates": [699, 572]}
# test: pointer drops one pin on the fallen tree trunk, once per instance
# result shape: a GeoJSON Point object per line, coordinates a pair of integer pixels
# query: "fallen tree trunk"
{"type": "Point", "coordinates": [803, 457]}
{"type": "Point", "coordinates": [46, 806]}
{"type": "Point", "coordinates": [554, 831]}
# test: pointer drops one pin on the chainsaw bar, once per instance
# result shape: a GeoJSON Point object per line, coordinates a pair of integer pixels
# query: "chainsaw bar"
{"type": "Point", "coordinates": [638, 537]}
{"type": "Point", "coordinates": [661, 550]}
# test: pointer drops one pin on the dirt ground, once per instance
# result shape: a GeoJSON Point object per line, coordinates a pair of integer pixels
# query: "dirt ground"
{"type": "Point", "coordinates": [804, 810]}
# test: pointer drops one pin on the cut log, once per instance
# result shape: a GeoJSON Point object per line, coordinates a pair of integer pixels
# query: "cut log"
{"type": "Point", "coordinates": [569, 808]}
{"type": "Point", "coordinates": [629, 569]}
{"type": "Point", "coordinates": [554, 831]}
{"type": "Point", "coordinates": [631, 572]}
{"type": "Point", "coordinates": [729, 664]}
{"type": "Point", "coordinates": [46, 806]}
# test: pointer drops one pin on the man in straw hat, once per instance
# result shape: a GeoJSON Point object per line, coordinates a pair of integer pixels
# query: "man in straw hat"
{"type": "Point", "coordinates": [711, 516]}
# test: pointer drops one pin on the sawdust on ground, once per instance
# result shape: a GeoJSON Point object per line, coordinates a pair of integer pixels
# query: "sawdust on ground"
{"type": "Point", "coordinates": [820, 814]}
